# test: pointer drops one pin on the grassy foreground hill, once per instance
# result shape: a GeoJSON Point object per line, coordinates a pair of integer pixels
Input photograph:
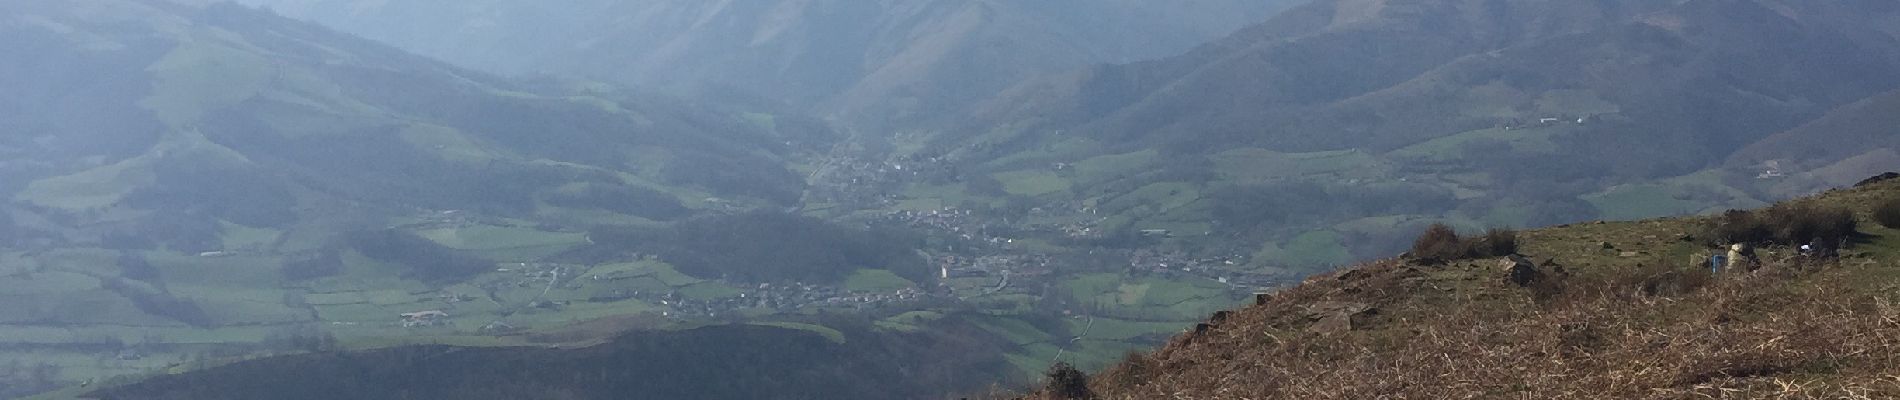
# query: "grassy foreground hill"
{"type": "Point", "coordinates": [1622, 310]}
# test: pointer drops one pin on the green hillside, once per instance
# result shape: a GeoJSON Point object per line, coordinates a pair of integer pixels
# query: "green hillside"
{"type": "Point", "coordinates": [184, 184]}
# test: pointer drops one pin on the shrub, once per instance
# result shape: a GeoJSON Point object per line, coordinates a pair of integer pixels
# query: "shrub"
{"type": "Point", "coordinates": [1888, 213]}
{"type": "Point", "coordinates": [1790, 223]}
{"type": "Point", "coordinates": [1438, 243]}
{"type": "Point", "coordinates": [1800, 223]}
{"type": "Point", "coordinates": [1496, 243]}
{"type": "Point", "coordinates": [1068, 383]}
{"type": "Point", "coordinates": [1736, 226]}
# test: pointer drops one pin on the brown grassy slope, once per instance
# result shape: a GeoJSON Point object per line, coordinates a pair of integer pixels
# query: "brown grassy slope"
{"type": "Point", "coordinates": [1637, 320]}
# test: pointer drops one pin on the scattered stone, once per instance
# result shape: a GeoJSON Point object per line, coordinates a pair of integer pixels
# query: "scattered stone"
{"type": "Point", "coordinates": [1411, 272]}
{"type": "Point", "coordinates": [1323, 309]}
{"type": "Point", "coordinates": [1627, 254]}
{"type": "Point", "coordinates": [1606, 245]}
{"type": "Point", "coordinates": [1332, 324]}
{"type": "Point", "coordinates": [1335, 316]}
{"type": "Point", "coordinates": [1261, 299]}
{"type": "Point", "coordinates": [1219, 317]}
{"type": "Point", "coordinates": [1520, 271]}
{"type": "Point", "coordinates": [1353, 275]}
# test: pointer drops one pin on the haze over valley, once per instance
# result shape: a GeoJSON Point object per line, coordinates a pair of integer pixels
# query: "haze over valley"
{"type": "Point", "coordinates": [840, 198]}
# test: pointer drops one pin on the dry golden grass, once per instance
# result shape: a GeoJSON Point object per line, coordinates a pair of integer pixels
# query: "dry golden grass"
{"type": "Point", "coordinates": [1639, 321]}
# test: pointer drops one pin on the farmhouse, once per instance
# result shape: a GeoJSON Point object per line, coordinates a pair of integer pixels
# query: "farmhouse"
{"type": "Point", "coordinates": [424, 318]}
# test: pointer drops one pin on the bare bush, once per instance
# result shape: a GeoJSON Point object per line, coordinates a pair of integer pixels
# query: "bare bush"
{"type": "Point", "coordinates": [1887, 214]}
{"type": "Point", "coordinates": [1068, 383]}
{"type": "Point", "coordinates": [1788, 223]}
{"type": "Point", "coordinates": [1440, 243]}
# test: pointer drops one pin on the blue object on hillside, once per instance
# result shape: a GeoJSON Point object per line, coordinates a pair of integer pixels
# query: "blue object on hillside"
{"type": "Point", "coordinates": [1716, 263]}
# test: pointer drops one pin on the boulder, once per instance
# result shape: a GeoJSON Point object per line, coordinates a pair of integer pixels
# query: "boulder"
{"type": "Point", "coordinates": [1219, 317]}
{"type": "Point", "coordinates": [1520, 271]}
{"type": "Point", "coordinates": [1332, 324]}
{"type": "Point", "coordinates": [1330, 317]}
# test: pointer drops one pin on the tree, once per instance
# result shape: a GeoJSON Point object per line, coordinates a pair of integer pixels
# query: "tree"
{"type": "Point", "coordinates": [1067, 383]}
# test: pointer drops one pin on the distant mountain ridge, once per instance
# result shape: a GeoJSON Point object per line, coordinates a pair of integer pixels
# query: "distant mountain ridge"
{"type": "Point", "coordinates": [1383, 74]}
{"type": "Point", "coordinates": [157, 105]}
{"type": "Point", "coordinates": [877, 61]}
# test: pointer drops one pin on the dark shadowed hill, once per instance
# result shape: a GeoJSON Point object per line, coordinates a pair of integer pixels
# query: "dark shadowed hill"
{"type": "Point", "coordinates": [1602, 310]}
{"type": "Point", "coordinates": [719, 362]}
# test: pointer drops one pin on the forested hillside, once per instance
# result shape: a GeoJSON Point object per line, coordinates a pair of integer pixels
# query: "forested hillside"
{"type": "Point", "coordinates": [1489, 113]}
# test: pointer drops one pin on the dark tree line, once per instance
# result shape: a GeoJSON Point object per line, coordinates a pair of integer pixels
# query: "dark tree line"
{"type": "Point", "coordinates": [423, 259]}
{"type": "Point", "coordinates": [186, 231]}
{"type": "Point", "coordinates": [715, 362]}
{"type": "Point", "coordinates": [746, 176]}
{"type": "Point", "coordinates": [319, 264]}
{"type": "Point", "coordinates": [1248, 208]}
{"type": "Point", "coordinates": [766, 246]}
{"type": "Point", "coordinates": [207, 188]}
{"type": "Point", "coordinates": [156, 301]}
{"type": "Point", "coordinates": [135, 267]}
{"type": "Point", "coordinates": [630, 200]}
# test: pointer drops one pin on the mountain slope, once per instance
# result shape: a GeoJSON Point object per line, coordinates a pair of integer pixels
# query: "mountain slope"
{"type": "Point", "coordinates": [158, 106]}
{"type": "Point", "coordinates": [1696, 79]}
{"type": "Point", "coordinates": [1484, 113]}
{"type": "Point", "coordinates": [1851, 141]}
{"type": "Point", "coordinates": [1617, 310]}
{"type": "Point", "coordinates": [182, 181]}
{"type": "Point", "coordinates": [871, 60]}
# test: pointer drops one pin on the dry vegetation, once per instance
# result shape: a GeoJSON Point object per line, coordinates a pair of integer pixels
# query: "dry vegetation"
{"type": "Point", "coordinates": [1635, 321]}
{"type": "Point", "coordinates": [1440, 244]}
{"type": "Point", "coordinates": [1887, 214]}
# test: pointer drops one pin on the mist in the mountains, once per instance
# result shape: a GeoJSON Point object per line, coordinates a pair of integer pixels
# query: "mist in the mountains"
{"type": "Point", "coordinates": [883, 62]}
{"type": "Point", "coordinates": [899, 198]}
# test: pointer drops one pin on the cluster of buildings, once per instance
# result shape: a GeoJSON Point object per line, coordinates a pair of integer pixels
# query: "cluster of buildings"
{"type": "Point", "coordinates": [1173, 263]}
{"type": "Point", "coordinates": [1515, 124]}
{"type": "Point", "coordinates": [1018, 263]}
